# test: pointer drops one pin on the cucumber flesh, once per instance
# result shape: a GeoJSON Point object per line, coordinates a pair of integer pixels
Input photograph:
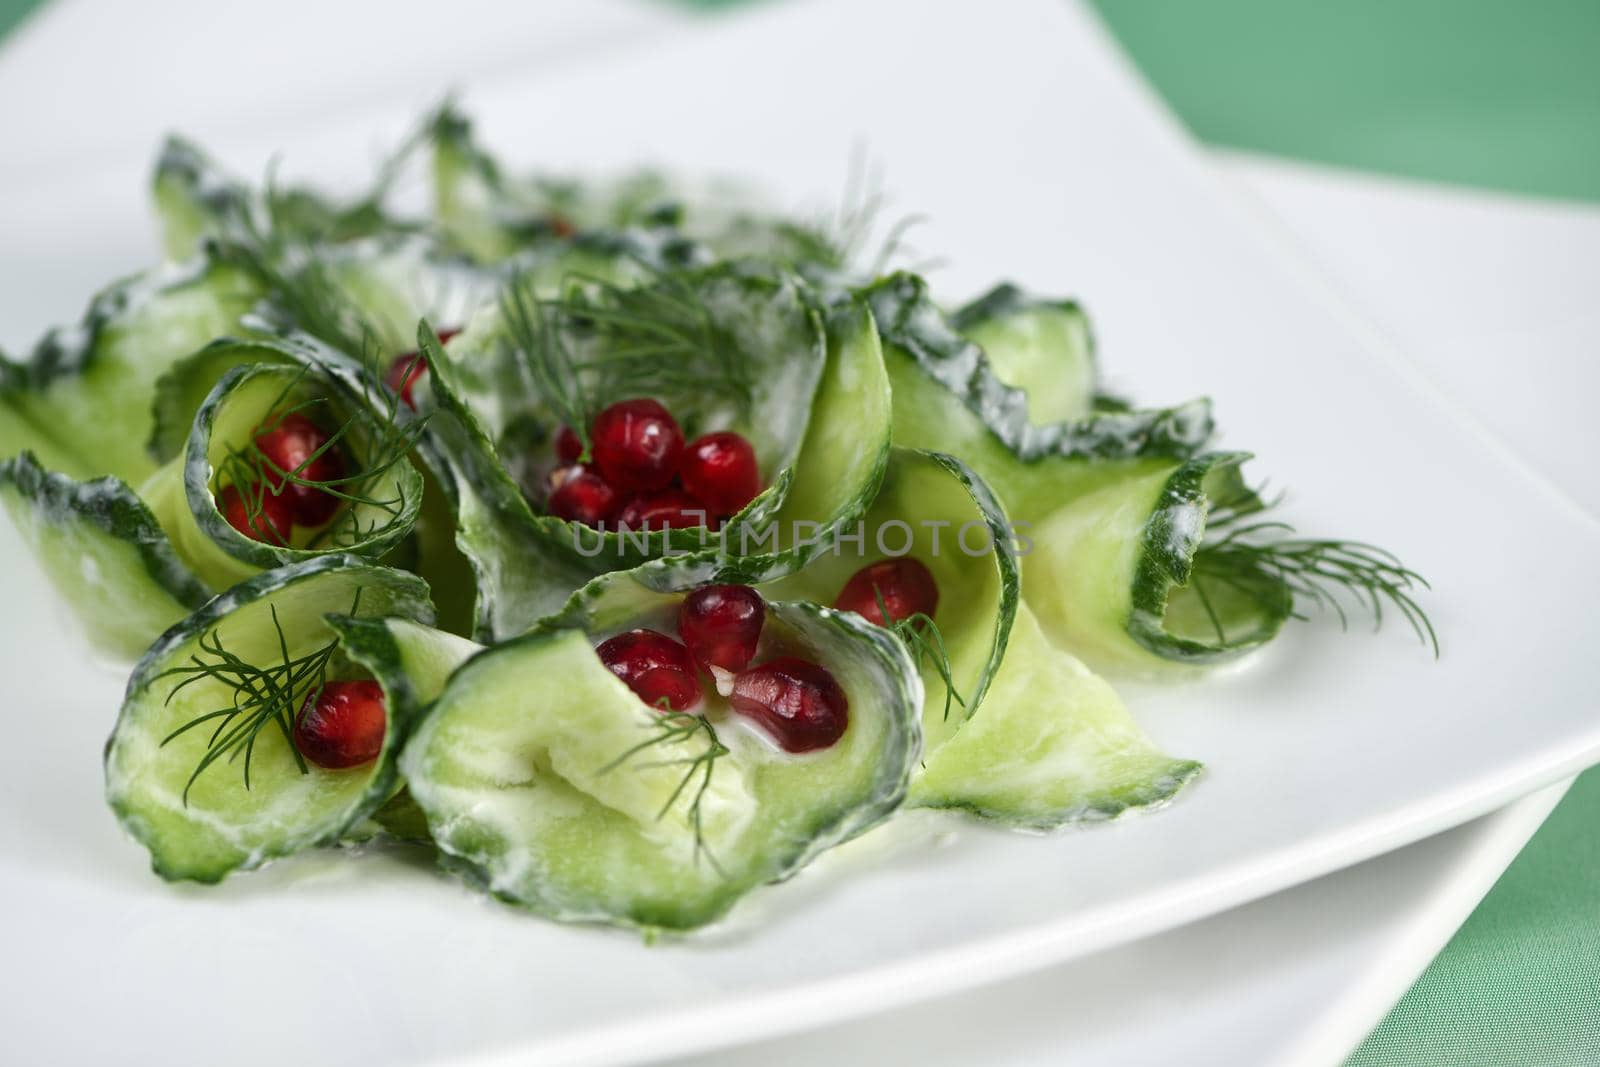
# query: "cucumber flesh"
{"type": "Point", "coordinates": [1052, 745]}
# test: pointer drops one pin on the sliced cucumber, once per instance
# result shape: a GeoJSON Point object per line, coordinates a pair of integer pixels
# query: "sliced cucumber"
{"type": "Point", "coordinates": [104, 551]}
{"type": "Point", "coordinates": [948, 398]}
{"type": "Point", "coordinates": [88, 389]}
{"type": "Point", "coordinates": [1052, 745]}
{"type": "Point", "coordinates": [194, 197]}
{"type": "Point", "coordinates": [183, 388]}
{"type": "Point", "coordinates": [382, 507]}
{"type": "Point", "coordinates": [1042, 347]}
{"type": "Point", "coordinates": [520, 768]}
{"type": "Point", "coordinates": [219, 825]}
{"type": "Point", "coordinates": [846, 449]}
{"type": "Point", "coordinates": [1117, 576]}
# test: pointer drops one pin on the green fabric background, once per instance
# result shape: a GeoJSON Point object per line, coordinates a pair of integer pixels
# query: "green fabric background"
{"type": "Point", "coordinates": [1502, 95]}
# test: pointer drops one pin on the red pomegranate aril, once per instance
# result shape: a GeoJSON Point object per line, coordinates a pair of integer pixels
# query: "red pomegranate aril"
{"type": "Point", "coordinates": [637, 445]}
{"type": "Point", "coordinates": [796, 701]}
{"type": "Point", "coordinates": [404, 373]}
{"type": "Point", "coordinates": [290, 446]}
{"type": "Point", "coordinates": [581, 495]}
{"type": "Point", "coordinates": [670, 509]}
{"type": "Point", "coordinates": [905, 585]}
{"type": "Point", "coordinates": [657, 668]}
{"type": "Point", "coordinates": [407, 369]}
{"type": "Point", "coordinates": [273, 520]}
{"type": "Point", "coordinates": [721, 626]}
{"type": "Point", "coordinates": [719, 469]}
{"type": "Point", "coordinates": [568, 446]}
{"type": "Point", "coordinates": [342, 724]}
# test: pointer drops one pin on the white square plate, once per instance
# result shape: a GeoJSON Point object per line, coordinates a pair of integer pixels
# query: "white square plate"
{"type": "Point", "coordinates": [1015, 127]}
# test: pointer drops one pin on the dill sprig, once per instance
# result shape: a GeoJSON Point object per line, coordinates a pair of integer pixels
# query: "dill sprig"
{"type": "Point", "coordinates": [373, 442]}
{"type": "Point", "coordinates": [543, 353]}
{"type": "Point", "coordinates": [861, 208]}
{"type": "Point", "coordinates": [1261, 561]}
{"type": "Point", "coordinates": [681, 727]}
{"type": "Point", "coordinates": [602, 341]}
{"type": "Point", "coordinates": [925, 642]}
{"type": "Point", "coordinates": [262, 697]}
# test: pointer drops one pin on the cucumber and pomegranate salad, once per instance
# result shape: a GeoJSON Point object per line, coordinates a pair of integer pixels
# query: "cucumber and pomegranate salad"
{"type": "Point", "coordinates": [624, 548]}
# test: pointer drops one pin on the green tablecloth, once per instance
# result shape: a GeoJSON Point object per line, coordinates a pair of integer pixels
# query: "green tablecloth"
{"type": "Point", "coordinates": [1496, 94]}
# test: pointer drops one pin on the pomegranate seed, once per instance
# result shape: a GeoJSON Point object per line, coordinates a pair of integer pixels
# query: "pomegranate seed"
{"type": "Point", "coordinates": [670, 509]}
{"type": "Point", "coordinates": [405, 370]}
{"type": "Point", "coordinates": [654, 666]}
{"type": "Point", "coordinates": [721, 625]}
{"type": "Point", "coordinates": [403, 374]}
{"type": "Point", "coordinates": [272, 523]}
{"type": "Point", "coordinates": [289, 445]}
{"type": "Point", "coordinates": [562, 226]}
{"type": "Point", "coordinates": [906, 586]}
{"type": "Point", "coordinates": [581, 495]}
{"type": "Point", "coordinates": [797, 701]}
{"type": "Point", "coordinates": [637, 445]}
{"type": "Point", "coordinates": [342, 724]}
{"type": "Point", "coordinates": [568, 446]}
{"type": "Point", "coordinates": [720, 470]}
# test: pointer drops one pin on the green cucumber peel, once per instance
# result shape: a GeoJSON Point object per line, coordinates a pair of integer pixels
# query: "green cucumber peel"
{"type": "Point", "coordinates": [912, 324]}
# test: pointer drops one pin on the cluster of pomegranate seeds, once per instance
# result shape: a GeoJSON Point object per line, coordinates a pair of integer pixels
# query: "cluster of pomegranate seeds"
{"type": "Point", "coordinates": [342, 724]}
{"type": "Point", "coordinates": [657, 668]}
{"type": "Point", "coordinates": [904, 586]}
{"type": "Point", "coordinates": [643, 477]}
{"type": "Point", "coordinates": [293, 446]}
{"type": "Point", "coordinates": [405, 370]}
{"type": "Point", "coordinates": [796, 701]}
